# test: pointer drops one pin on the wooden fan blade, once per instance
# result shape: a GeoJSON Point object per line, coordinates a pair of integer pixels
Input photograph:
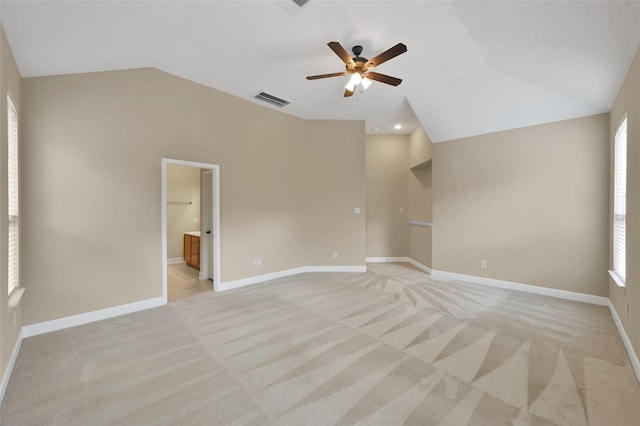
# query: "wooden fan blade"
{"type": "Point", "coordinates": [383, 78]}
{"type": "Point", "coordinates": [348, 93]}
{"type": "Point", "coordinates": [339, 50]}
{"type": "Point", "coordinates": [396, 50]}
{"type": "Point", "coordinates": [335, 74]}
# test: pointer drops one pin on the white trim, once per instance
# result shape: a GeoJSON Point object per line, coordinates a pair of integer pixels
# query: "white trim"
{"type": "Point", "coordinates": [387, 259]}
{"type": "Point", "coordinates": [88, 317]}
{"type": "Point", "coordinates": [175, 260]}
{"type": "Point", "coordinates": [617, 278]}
{"type": "Point", "coordinates": [545, 291]}
{"type": "Point", "coordinates": [414, 262]}
{"type": "Point", "coordinates": [633, 357]}
{"type": "Point", "coordinates": [164, 229]}
{"type": "Point", "coordinates": [15, 297]}
{"type": "Point", "coordinates": [419, 265]}
{"type": "Point", "coordinates": [216, 219]}
{"type": "Point", "coordinates": [230, 285]}
{"type": "Point", "coordinates": [6, 377]}
{"type": "Point", "coordinates": [420, 223]}
{"type": "Point", "coordinates": [71, 321]}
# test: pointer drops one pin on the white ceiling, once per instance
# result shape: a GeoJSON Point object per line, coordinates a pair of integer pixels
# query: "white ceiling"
{"type": "Point", "coordinates": [471, 67]}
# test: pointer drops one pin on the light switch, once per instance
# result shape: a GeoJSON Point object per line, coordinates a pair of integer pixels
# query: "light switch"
{"type": "Point", "coordinates": [356, 210]}
{"type": "Point", "coordinates": [401, 210]}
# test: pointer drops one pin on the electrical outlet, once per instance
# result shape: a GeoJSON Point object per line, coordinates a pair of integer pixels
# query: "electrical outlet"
{"type": "Point", "coordinates": [483, 264]}
{"type": "Point", "coordinates": [195, 220]}
{"type": "Point", "coordinates": [417, 252]}
{"type": "Point", "coordinates": [401, 210]}
{"type": "Point", "coordinates": [256, 263]}
{"type": "Point", "coordinates": [335, 254]}
{"type": "Point", "coordinates": [356, 210]}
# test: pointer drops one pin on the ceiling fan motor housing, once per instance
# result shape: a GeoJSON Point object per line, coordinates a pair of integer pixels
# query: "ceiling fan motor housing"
{"type": "Point", "coordinates": [358, 60]}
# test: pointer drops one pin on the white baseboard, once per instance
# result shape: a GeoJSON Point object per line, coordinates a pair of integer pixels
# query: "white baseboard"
{"type": "Point", "coordinates": [9, 370]}
{"type": "Point", "coordinates": [71, 321]}
{"type": "Point", "coordinates": [633, 356]}
{"type": "Point", "coordinates": [419, 265]}
{"type": "Point", "coordinates": [386, 259]}
{"type": "Point", "coordinates": [88, 317]}
{"type": "Point", "coordinates": [545, 291]}
{"type": "Point", "coordinates": [560, 294]}
{"type": "Point", "coordinates": [229, 285]}
{"type": "Point", "coordinates": [414, 262]}
{"type": "Point", "coordinates": [175, 260]}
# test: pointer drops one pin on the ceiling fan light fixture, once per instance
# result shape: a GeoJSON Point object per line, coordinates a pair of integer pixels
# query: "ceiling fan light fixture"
{"type": "Point", "coordinates": [360, 68]}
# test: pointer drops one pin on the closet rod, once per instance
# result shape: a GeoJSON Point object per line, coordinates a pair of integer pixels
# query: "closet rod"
{"type": "Point", "coordinates": [180, 203]}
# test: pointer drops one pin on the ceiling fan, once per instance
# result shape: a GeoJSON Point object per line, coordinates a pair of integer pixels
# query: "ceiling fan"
{"type": "Point", "coordinates": [360, 67]}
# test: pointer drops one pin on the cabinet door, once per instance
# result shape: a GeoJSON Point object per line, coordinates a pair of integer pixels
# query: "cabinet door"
{"type": "Point", "coordinates": [186, 248]}
{"type": "Point", "coordinates": [195, 252]}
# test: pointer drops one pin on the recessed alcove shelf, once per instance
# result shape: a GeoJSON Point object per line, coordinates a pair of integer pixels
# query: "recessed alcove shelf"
{"type": "Point", "coordinates": [420, 223]}
{"type": "Point", "coordinates": [423, 165]}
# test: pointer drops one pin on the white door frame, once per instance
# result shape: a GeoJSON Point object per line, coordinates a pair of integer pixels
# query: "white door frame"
{"type": "Point", "coordinates": [215, 196]}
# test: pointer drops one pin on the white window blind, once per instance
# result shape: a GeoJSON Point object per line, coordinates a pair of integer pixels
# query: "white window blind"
{"type": "Point", "coordinates": [12, 189]}
{"type": "Point", "coordinates": [620, 202]}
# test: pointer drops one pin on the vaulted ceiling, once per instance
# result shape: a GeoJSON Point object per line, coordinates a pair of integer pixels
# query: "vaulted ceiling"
{"type": "Point", "coordinates": [471, 67]}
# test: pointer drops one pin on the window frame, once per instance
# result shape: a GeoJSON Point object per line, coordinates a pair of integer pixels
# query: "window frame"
{"type": "Point", "coordinates": [13, 205]}
{"type": "Point", "coordinates": [619, 212]}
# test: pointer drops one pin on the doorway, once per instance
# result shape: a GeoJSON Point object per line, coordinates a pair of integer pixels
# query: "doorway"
{"type": "Point", "coordinates": [190, 233]}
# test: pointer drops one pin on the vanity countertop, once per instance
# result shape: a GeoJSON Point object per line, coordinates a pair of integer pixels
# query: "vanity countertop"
{"type": "Point", "coordinates": [193, 233]}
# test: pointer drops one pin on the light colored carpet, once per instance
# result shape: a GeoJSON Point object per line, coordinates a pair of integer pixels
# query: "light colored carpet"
{"type": "Point", "coordinates": [385, 347]}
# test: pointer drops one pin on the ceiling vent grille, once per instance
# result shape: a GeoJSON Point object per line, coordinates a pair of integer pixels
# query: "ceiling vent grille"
{"type": "Point", "coordinates": [300, 2]}
{"type": "Point", "coordinates": [273, 100]}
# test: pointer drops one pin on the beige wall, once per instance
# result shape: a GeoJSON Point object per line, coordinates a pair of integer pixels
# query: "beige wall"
{"type": "Point", "coordinates": [420, 244]}
{"type": "Point", "coordinates": [628, 102]}
{"type": "Point", "coordinates": [420, 193]}
{"type": "Point", "coordinates": [92, 192]}
{"type": "Point", "coordinates": [335, 184]}
{"type": "Point", "coordinates": [420, 203]}
{"type": "Point", "coordinates": [399, 175]}
{"type": "Point", "coordinates": [9, 83]}
{"type": "Point", "coordinates": [387, 160]}
{"type": "Point", "coordinates": [532, 202]}
{"type": "Point", "coordinates": [183, 185]}
{"type": "Point", "coordinates": [420, 196]}
{"type": "Point", "coordinates": [420, 148]}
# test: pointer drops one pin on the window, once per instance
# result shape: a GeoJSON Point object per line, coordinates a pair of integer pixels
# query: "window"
{"type": "Point", "coordinates": [12, 190]}
{"type": "Point", "coordinates": [620, 204]}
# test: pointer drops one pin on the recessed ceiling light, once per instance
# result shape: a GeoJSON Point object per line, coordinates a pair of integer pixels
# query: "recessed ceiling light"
{"type": "Point", "coordinates": [397, 126]}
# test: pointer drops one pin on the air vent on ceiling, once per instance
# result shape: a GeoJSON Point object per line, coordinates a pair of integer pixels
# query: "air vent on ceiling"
{"type": "Point", "coordinates": [292, 7]}
{"type": "Point", "coordinates": [273, 100]}
{"type": "Point", "coordinates": [300, 2]}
